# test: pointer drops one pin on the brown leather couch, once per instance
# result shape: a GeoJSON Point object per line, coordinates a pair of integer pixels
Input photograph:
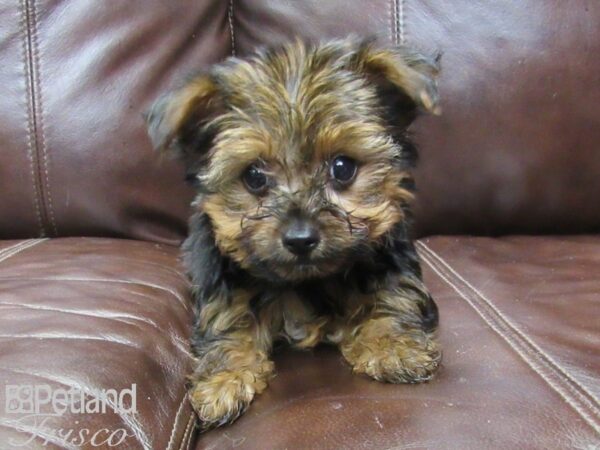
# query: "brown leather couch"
{"type": "Point", "coordinates": [92, 295]}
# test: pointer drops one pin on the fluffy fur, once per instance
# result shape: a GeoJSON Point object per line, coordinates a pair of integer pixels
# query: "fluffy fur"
{"type": "Point", "coordinates": [291, 111]}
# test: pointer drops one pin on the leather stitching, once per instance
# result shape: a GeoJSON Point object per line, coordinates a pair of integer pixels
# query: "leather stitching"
{"type": "Point", "coordinates": [500, 320]}
{"type": "Point", "coordinates": [509, 322]}
{"type": "Point", "coordinates": [398, 21]}
{"type": "Point", "coordinates": [230, 18]}
{"type": "Point", "coordinates": [392, 15]}
{"type": "Point", "coordinates": [528, 356]}
{"type": "Point", "coordinates": [32, 152]}
{"type": "Point", "coordinates": [176, 423]}
{"type": "Point", "coordinates": [12, 247]}
{"type": "Point", "coordinates": [401, 23]}
{"type": "Point", "coordinates": [14, 250]}
{"type": "Point", "coordinates": [40, 114]}
{"type": "Point", "coordinates": [8, 252]}
{"type": "Point", "coordinates": [187, 436]}
{"type": "Point", "coordinates": [541, 363]}
{"type": "Point", "coordinates": [190, 437]}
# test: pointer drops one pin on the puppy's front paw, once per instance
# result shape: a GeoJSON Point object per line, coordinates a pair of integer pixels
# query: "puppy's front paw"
{"type": "Point", "coordinates": [394, 358]}
{"type": "Point", "coordinates": [224, 396]}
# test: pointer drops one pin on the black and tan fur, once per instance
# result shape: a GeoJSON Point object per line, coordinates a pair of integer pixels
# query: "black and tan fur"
{"type": "Point", "coordinates": [291, 110]}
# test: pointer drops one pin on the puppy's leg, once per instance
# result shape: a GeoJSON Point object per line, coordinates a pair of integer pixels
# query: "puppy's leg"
{"type": "Point", "coordinates": [232, 359]}
{"type": "Point", "coordinates": [394, 341]}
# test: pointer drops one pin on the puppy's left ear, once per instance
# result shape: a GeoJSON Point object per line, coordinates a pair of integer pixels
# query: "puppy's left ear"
{"type": "Point", "coordinates": [177, 122]}
{"type": "Point", "coordinates": [405, 80]}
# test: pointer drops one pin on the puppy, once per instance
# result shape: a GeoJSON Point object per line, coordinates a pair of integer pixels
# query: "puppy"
{"type": "Point", "coordinates": [300, 230]}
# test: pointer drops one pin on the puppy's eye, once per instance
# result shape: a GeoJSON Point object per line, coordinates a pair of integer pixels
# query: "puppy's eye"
{"type": "Point", "coordinates": [343, 170]}
{"type": "Point", "coordinates": [255, 180]}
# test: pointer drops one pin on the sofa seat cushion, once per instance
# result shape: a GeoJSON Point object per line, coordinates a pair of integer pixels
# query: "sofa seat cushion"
{"type": "Point", "coordinates": [92, 315]}
{"type": "Point", "coordinates": [520, 328]}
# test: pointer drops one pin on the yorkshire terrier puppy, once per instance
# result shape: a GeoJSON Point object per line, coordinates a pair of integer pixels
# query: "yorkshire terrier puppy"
{"type": "Point", "coordinates": [302, 163]}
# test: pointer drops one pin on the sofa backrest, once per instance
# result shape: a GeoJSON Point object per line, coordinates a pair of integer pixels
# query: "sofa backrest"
{"type": "Point", "coordinates": [517, 149]}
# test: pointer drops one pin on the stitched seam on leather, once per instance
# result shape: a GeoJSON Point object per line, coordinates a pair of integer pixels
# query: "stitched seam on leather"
{"type": "Point", "coordinates": [192, 428]}
{"type": "Point", "coordinates": [394, 21]}
{"type": "Point", "coordinates": [185, 441]}
{"type": "Point", "coordinates": [8, 252]}
{"type": "Point", "coordinates": [401, 21]}
{"type": "Point", "coordinates": [40, 114]}
{"type": "Point", "coordinates": [513, 329]}
{"type": "Point", "coordinates": [230, 18]}
{"type": "Point", "coordinates": [12, 247]}
{"type": "Point", "coordinates": [176, 423]}
{"type": "Point", "coordinates": [191, 436]}
{"type": "Point", "coordinates": [32, 150]}
{"type": "Point", "coordinates": [536, 360]}
{"type": "Point", "coordinates": [513, 342]}
{"type": "Point", "coordinates": [24, 246]}
{"type": "Point", "coordinates": [516, 329]}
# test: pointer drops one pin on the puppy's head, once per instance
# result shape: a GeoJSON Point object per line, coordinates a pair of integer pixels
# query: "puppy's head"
{"type": "Point", "coordinates": [299, 153]}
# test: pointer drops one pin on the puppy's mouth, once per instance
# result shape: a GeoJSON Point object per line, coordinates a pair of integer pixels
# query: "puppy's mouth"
{"type": "Point", "coordinates": [291, 269]}
{"type": "Point", "coordinates": [306, 261]}
{"type": "Point", "coordinates": [278, 265]}
{"type": "Point", "coordinates": [302, 268]}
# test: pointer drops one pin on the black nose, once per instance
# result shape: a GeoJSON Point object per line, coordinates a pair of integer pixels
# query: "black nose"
{"type": "Point", "coordinates": [301, 237]}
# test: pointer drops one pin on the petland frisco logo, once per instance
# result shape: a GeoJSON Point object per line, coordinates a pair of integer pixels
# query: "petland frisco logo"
{"type": "Point", "coordinates": [39, 398]}
{"type": "Point", "coordinates": [38, 404]}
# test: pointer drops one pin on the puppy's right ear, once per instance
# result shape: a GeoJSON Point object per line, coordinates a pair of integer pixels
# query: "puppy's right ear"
{"type": "Point", "coordinates": [177, 121]}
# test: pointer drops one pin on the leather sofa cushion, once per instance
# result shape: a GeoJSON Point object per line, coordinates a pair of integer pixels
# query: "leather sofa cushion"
{"type": "Point", "coordinates": [514, 151]}
{"type": "Point", "coordinates": [519, 328]}
{"type": "Point", "coordinates": [96, 314]}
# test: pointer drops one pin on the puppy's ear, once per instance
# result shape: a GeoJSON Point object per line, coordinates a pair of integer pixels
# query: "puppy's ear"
{"type": "Point", "coordinates": [177, 121]}
{"type": "Point", "coordinates": [405, 80]}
